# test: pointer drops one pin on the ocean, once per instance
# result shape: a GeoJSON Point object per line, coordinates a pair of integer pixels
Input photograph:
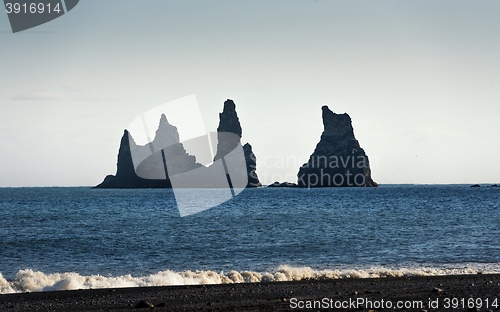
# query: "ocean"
{"type": "Point", "coordinates": [55, 238]}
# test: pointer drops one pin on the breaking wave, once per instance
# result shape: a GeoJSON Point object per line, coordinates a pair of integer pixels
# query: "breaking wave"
{"type": "Point", "coordinates": [32, 281]}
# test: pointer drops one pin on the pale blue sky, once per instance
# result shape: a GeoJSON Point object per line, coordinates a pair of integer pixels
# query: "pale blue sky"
{"type": "Point", "coordinates": [420, 80]}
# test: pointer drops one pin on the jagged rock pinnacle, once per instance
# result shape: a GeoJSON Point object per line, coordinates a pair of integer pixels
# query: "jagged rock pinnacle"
{"type": "Point", "coordinates": [166, 134]}
{"type": "Point", "coordinates": [164, 120]}
{"type": "Point", "coordinates": [338, 159]}
{"type": "Point", "coordinates": [228, 119]}
{"type": "Point", "coordinates": [336, 124]}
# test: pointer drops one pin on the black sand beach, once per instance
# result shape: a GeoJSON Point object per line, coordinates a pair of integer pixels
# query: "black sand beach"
{"type": "Point", "coordinates": [451, 293]}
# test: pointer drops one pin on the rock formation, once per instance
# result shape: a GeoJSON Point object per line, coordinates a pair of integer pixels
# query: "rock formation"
{"type": "Point", "coordinates": [141, 167]}
{"type": "Point", "coordinates": [150, 166]}
{"type": "Point", "coordinates": [251, 162]}
{"type": "Point", "coordinates": [125, 173]}
{"type": "Point", "coordinates": [284, 184]}
{"type": "Point", "coordinates": [229, 123]}
{"type": "Point", "coordinates": [338, 160]}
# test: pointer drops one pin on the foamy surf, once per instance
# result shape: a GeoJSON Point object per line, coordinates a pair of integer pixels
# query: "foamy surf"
{"type": "Point", "coordinates": [33, 281]}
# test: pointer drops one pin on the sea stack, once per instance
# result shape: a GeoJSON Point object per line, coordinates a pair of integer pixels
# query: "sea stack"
{"type": "Point", "coordinates": [151, 165]}
{"type": "Point", "coordinates": [139, 166]}
{"type": "Point", "coordinates": [251, 161]}
{"type": "Point", "coordinates": [338, 160]}
{"type": "Point", "coordinates": [125, 174]}
{"type": "Point", "coordinates": [230, 123]}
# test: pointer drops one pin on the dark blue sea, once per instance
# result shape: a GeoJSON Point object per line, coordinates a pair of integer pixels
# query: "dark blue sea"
{"type": "Point", "coordinates": [76, 238]}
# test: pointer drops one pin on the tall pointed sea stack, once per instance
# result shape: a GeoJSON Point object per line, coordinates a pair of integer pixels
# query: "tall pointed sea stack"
{"type": "Point", "coordinates": [251, 161]}
{"type": "Point", "coordinates": [338, 160]}
{"type": "Point", "coordinates": [125, 173]}
{"type": "Point", "coordinates": [230, 123]}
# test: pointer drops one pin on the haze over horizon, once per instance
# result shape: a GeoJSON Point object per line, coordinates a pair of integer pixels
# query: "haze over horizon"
{"type": "Point", "coordinates": [420, 80]}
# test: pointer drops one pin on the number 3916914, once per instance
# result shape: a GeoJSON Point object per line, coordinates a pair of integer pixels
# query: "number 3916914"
{"type": "Point", "coordinates": [33, 8]}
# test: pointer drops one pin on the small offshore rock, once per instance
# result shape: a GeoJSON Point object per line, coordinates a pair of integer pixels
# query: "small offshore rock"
{"type": "Point", "coordinates": [284, 184]}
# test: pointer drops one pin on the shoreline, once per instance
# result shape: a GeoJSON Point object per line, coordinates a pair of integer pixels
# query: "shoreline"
{"type": "Point", "coordinates": [484, 289]}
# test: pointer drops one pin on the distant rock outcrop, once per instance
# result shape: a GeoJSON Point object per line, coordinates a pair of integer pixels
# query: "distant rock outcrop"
{"type": "Point", "coordinates": [141, 167]}
{"type": "Point", "coordinates": [284, 184]}
{"type": "Point", "coordinates": [338, 160]}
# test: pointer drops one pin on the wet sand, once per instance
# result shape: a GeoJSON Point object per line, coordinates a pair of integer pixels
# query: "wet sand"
{"type": "Point", "coordinates": [279, 296]}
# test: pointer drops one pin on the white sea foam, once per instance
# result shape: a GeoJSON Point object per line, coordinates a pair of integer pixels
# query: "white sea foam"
{"type": "Point", "coordinates": [32, 281]}
{"type": "Point", "coordinates": [5, 286]}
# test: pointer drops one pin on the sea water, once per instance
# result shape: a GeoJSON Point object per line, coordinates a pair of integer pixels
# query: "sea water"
{"type": "Point", "coordinates": [76, 238]}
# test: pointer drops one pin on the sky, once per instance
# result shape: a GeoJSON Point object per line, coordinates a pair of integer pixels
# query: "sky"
{"type": "Point", "coordinates": [420, 80]}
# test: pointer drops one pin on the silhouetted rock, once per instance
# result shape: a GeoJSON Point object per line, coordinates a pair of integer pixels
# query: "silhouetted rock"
{"type": "Point", "coordinates": [284, 184]}
{"type": "Point", "coordinates": [163, 157]}
{"type": "Point", "coordinates": [228, 123]}
{"type": "Point", "coordinates": [151, 165]}
{"type": "Point", "coordinates": [125, 174]}
{"type": "Point", "coordinates": [475, 185]}
{"type": "Point", "coordinates": [251, 162]}
{"type": "Point", "coordinates": [144, 167]}
{"type": "Point", "coordinates": [338, 159]}
{"type": "Point", "coordinates": [229, 137]}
